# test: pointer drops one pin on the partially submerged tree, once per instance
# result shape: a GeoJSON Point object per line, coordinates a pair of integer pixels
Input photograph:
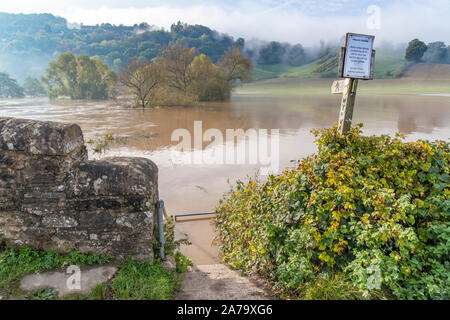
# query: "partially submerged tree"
{"type": "Point", "coordinates": [142, 79]}
{"type": "Point", "coordinates": [176, 61]}
{"type": "Point", "coordinates": [180, 77]}
{"type": "Point", "coordinates": [79, 77]}
{"type": "Point", "coordinates": [9, 88]}
{"type": "Point", "coordinates": [236, 66]}
{"type": "Point", "coordinates": [209, 83]}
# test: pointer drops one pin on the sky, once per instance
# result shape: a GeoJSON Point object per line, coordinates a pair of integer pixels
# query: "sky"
{"type": "Point", "coordinates": [303, 21]}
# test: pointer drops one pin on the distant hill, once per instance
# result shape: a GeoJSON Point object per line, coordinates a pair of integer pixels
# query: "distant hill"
{"type": "Point", "coordinates": [28, 42]}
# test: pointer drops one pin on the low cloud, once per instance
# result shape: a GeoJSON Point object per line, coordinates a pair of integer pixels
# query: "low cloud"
{"type": "Point", "coordinates": [306, 22]}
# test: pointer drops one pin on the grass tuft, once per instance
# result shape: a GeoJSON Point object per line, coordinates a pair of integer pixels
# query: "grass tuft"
{"type": "Point", "coordinates": [143, 281]}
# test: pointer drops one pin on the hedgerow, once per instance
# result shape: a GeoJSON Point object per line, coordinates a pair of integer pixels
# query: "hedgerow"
{"type": "Point", "coordinates": [373, 210]}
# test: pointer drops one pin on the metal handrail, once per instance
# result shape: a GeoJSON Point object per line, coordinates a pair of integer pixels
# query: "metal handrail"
{"type": "Point", "coordinates": [162, 240]}
{"type": "Point", "coordinates": [192, 214]}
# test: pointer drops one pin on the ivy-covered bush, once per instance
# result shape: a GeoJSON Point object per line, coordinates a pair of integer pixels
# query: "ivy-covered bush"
{"type": "Point", "coordinates": [372, 209]}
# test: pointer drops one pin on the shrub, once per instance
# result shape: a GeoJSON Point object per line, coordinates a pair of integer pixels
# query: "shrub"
{"type": "Point", "coordinates": [333, 287]}
{"type": "Point", "coordinates": [182, 262]}
{"type": "Point", "coordinates": [375, 209]}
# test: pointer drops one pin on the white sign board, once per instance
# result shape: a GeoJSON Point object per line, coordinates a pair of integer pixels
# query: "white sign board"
{"type": "Point", "coordinates": [338, 86]}
{"type": "Point", "coordinates": [358, 56]}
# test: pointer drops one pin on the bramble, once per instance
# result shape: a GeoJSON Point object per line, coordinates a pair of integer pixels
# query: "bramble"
{"type": "Point", "coordinates": [360, 202]}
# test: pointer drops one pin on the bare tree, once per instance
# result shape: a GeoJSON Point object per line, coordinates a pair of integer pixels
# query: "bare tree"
{"type": "Point", "coordinates": [235, 65]}
{"type": "Point", "coordinates": [176, 61]}
{"type": "Point", "coordinates": [142, 78]}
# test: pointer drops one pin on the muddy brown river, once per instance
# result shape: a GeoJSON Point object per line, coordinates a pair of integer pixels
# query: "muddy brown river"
{"type": "Point", "coordinates": [188, 187]}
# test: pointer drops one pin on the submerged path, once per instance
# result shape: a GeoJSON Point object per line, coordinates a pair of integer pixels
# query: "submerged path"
{"type": "Point", "coordinates": [209, 279]}
{"type": "Point", "coordinates": [218, 282]}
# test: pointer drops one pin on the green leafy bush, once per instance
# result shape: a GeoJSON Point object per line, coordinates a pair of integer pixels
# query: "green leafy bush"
{"type": "Point", "coordinates": [182, 262]}
{"type": "Point", "coordinates": [375, 209]}
{"type": "Point", "coordinates": [171, 245]}
{"type": "Point", "coordinates": [327, 287]}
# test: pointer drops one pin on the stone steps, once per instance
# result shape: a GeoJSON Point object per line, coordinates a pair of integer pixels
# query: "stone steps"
{"type": "Point", "coordinates": [218, 282]}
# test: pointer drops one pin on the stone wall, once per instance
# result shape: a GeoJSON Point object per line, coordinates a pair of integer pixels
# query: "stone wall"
{"type": "Point", "coordinates": [53, 198]}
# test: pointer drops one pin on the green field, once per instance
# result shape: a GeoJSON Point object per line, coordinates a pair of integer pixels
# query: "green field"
{"type": "Point", "coordinates": [383, 64]}
{"type": "Point", "coordinates": [303, 86]}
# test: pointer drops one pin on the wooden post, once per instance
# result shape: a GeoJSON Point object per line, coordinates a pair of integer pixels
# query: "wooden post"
{"type": "Point", "coordinates": [347, 104]}
{"type": "Point", "coordinates": [356, 61]}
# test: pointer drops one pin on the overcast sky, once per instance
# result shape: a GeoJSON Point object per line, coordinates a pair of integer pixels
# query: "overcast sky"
{"type": "Point", "coordinates": [305, 21]}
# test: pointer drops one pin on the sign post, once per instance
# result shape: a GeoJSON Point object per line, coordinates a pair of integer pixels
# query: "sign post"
{"type": "Point", "coordinates": [347, 104]}
{"type": "Point", "coordinates": [356, 62]}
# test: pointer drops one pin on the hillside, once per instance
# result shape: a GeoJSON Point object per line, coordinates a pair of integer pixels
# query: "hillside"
{"type": "Point", "coordinates": [28, 42]}
{"type": "Point", "coordinates": [385, 67]}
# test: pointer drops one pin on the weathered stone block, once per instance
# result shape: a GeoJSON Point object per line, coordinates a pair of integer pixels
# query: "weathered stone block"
{"type": "Point", "coordinates": [96, 220]}
{"type": "Point", "coordinates": [40, 137]}
{"type": "Point", "coordinates": [59, 221]}
{"type": "Point", "coordinates": [113, 176]}
{"type": "Point", "coordinates": [53, 198]}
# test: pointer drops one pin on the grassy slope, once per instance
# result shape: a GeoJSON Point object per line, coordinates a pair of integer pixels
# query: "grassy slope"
{"type": "Point", "coordinates": [383, 63]}
{"type": "Point", "coordinates": [296, 87]}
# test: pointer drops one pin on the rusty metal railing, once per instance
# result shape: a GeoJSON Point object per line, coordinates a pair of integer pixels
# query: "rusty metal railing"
{"type": "Point", "coordinates": [176, 216]}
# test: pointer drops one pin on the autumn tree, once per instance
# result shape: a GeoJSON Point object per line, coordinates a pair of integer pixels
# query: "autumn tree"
{"type": "Point", "coordinates": [209, 83]}
{"type": "Point", "coordinates": [235, 66]}
{"type": "Point", "coordinates": [176, 61]}
{"type": "Point", "coordinates": [142, 78]}
{"type": "Point", "coordinates": [79, 77]}
{"type": "Point", "coordinates": [180, 77]}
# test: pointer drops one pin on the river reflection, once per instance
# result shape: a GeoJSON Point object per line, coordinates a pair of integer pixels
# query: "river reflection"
{"type": "Point", "coordinates": [197, 188]}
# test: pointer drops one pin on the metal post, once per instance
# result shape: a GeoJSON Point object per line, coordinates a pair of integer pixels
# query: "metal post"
{"type": "Point", "coordinates": [347, 104]}
{"type": "Point", "coordinates": [162, 240]}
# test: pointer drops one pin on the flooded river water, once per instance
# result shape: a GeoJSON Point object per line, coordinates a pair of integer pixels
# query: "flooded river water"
{"type": "Point", "coordinates": [190, 187]}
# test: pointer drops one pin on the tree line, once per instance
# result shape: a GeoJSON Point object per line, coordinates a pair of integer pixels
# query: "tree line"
{"type": "Point", "coordinates": [275, 52]}
{"type": "Point", "coordinates": [35, 39]}
{"type": "Point", "coordinates": [181, 76]}
{"type": "Point", "coordinates": [28, 42]}
{"type": "Point", "coordinates": [434, 52]}
{"type": "Point", "coordinates": [10, 88]}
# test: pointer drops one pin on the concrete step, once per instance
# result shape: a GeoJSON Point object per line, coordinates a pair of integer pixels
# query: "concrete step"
{"type": "Point", "coordinates": [218, 282]}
